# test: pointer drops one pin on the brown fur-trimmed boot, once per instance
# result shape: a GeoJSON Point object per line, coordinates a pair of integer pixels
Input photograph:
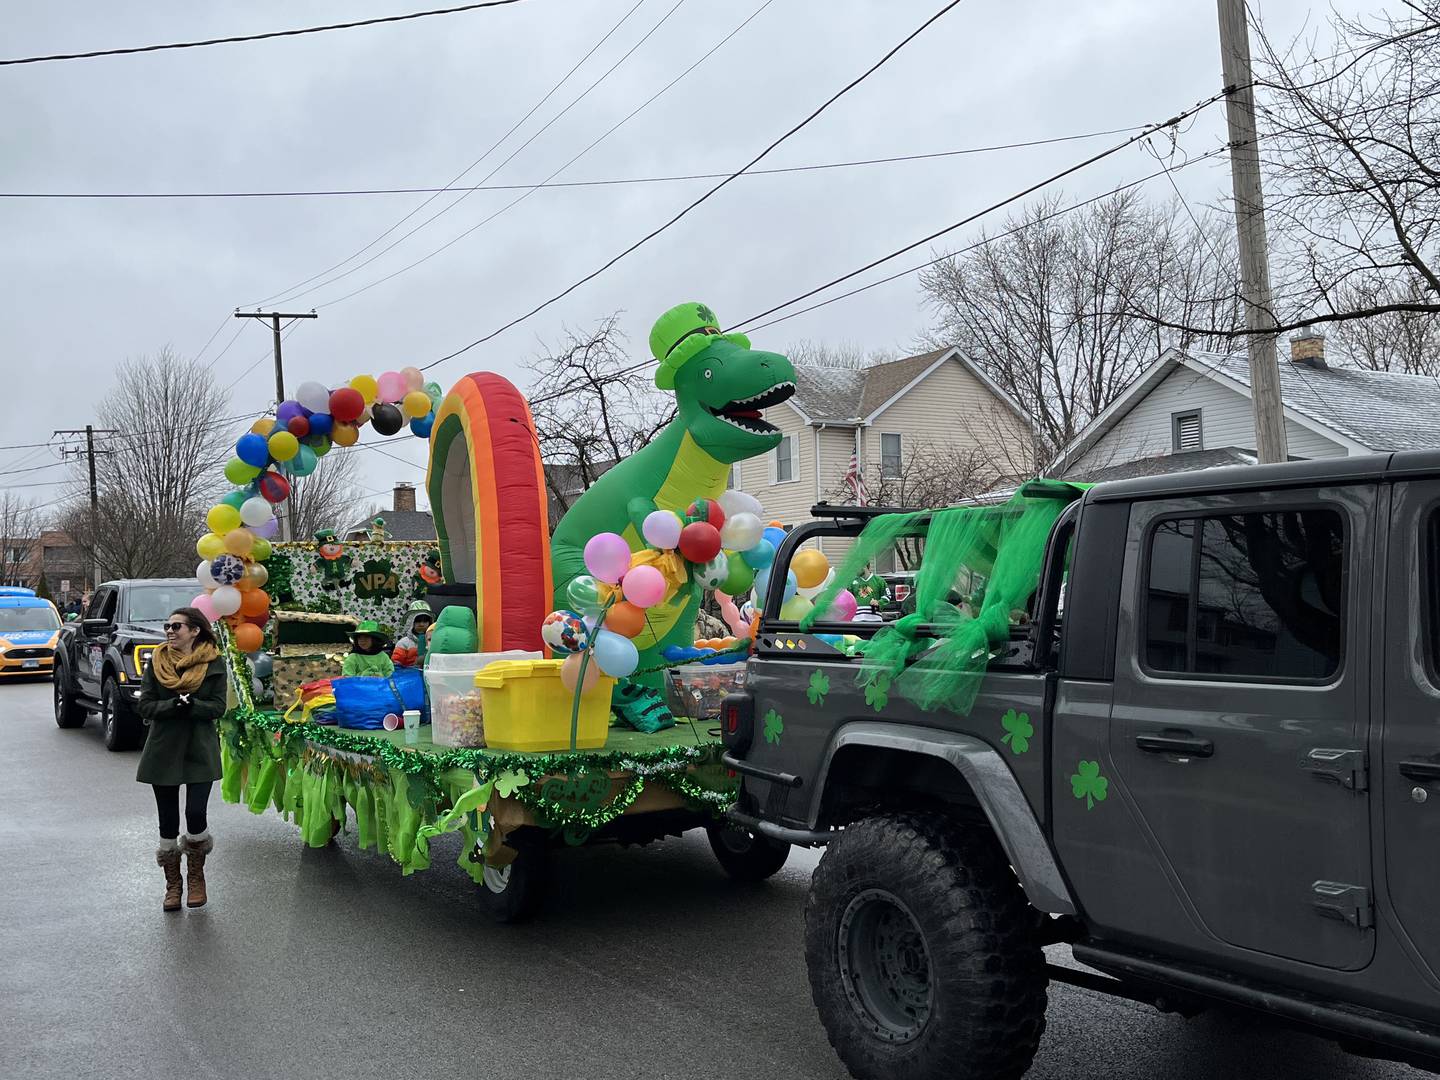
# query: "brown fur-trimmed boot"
{"type": "Point", "coordinates": [196, 848]}
{"type": "Point", "coordinates": [167, 856]}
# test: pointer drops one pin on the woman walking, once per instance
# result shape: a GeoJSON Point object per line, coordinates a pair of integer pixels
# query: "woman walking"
{"type": "Point", "coordinates": [181, 697]}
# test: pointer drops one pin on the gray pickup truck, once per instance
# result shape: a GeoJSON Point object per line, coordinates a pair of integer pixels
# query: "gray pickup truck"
{"type": "Point", "coordinates": [1205, 762]}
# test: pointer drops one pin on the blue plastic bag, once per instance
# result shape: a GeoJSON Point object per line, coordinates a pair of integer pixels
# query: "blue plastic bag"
{"type": "Point", "coordinates": [364, 701]}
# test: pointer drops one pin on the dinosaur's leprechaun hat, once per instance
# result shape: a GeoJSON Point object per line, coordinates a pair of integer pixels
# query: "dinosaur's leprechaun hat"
{"type": "Point", "coordinates": [680, 335]}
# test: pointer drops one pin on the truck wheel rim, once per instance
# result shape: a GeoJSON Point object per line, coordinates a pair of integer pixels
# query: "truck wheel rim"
{"type": "Point", "coordinates": [885, 966]}
{"type": "Point", "coordinates": [736, 841]}
{"type": "Point", "coordinates": [59, 696]}
{"type": "Point", "coordinates": [497, 879]}
{"type": "Point", "coordinates": [108, 707]}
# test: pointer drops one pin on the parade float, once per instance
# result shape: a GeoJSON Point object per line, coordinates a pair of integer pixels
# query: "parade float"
{"type": "Point", "coordinates": [559, 695]}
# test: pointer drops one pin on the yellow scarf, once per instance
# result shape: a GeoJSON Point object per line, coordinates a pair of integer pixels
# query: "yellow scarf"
{"type": "Point", "coordinates": [182, 672]}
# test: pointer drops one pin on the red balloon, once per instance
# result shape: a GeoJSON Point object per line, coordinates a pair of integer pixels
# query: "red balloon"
{"type": "Point", "coordinates": [299, 426]}
{"type": "Point", "coordinates": [274, 488]}
{"type": "Point", "coordinates": [699, 542]}
{"type": "Point", "coordinates": [707, 510]}
{"type": "Point", "coordinates": [346, 404]}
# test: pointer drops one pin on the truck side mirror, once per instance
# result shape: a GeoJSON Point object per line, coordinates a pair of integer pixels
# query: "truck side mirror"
{"type": "Point", "coordinates": [95, 627]}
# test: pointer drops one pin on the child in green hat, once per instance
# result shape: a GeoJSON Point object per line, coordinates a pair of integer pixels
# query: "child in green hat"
{"type": "Point", "coordinates": [368, 655]}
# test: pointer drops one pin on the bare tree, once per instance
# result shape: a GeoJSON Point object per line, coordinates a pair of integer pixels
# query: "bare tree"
{"type": "Point", "coordinates": [1048, 308]}
{"type": "Point", "coordinates": [159, 473]}
{"type": "Point", "coordinates": [328, 497]}
{"type": "Point", "coordinates": [19, 544]}
{"type": "Point", "coordinates": [591, 411]}
{"type": "Point", "coordinates": [1398, 340]}
{"type": "Point", "coordinates": [846, 355]}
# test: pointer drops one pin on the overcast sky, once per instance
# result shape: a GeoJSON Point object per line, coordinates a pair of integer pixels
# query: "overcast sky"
{"type": "Point", "coordinates": [88, 283]}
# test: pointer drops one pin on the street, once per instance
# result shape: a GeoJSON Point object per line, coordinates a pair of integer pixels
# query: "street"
{"type": "Point", "coordinates": [646, 962]}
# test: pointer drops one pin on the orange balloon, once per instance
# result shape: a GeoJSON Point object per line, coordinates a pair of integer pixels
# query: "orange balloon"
{"type": "Point", "coordinates": [570, 673]}
{"type": "Point", "coordinates": [625, 619]}
{"type": "Point", "coordinates": [345, 435]}
{"type": "Point", "coordinates": [249, 637]}
{"type": "Point", "coordinates": [254, 603]}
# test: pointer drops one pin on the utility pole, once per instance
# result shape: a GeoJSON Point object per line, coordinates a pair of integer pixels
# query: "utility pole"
{"type": "Point", "coordinates": [90, 453]}
{"type": "Point", "coordinates": [1250, 228]}
{"type": "Point", "coordinates": [275, 317]}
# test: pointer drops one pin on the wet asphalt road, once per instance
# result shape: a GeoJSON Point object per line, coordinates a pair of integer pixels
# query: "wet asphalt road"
{"type": "Point", "coordinates": [318, 964]}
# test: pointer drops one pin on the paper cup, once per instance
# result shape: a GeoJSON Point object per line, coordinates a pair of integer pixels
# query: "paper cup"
{"type": "Point", "coordinates": [391, 722]}
{"type": "Point", "coordinates": [412, 725]}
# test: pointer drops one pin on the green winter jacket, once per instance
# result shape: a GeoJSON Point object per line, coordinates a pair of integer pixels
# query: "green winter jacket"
{"type": "Point", "coordinates": [359, 664]}
{"type": "Point", "coordinates": [183, 746]}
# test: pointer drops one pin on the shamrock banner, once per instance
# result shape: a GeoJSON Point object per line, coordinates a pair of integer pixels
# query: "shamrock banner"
{"type": "Point", "coordinates": [367, 579]}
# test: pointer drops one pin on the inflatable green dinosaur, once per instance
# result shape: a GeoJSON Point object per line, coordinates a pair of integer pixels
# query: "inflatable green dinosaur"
{"type": "Point", "coordinates": [721, 386]}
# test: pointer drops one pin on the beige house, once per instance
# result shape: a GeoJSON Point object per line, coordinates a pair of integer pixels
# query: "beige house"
{"type": "Point", "coordinates": [905, 422]}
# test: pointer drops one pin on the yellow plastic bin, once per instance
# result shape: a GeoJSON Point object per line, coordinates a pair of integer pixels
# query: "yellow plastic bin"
{"type": "Point", "coordinates": [527, 708]}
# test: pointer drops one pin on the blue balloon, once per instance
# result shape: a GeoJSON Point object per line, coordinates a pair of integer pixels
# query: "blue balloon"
{"type": "Point", "coordinates": [420, 427]}
{"type": "Point", "coordinates": [253, 449]}
{"type": "Point", "coordinates": [762, 585]}
{"type": "Point", "coordinates": [791, 585]}
{"type": "Point", "coordinates": [303, 463]}
{"type": "Point", "coordinates": [775, 535]}
{"type": "Point", "coordinates": [760, 556]}
{"type": "Point", "coordinates": [321, 423]}
{"type": "Point", "coordinates": [616, 655]}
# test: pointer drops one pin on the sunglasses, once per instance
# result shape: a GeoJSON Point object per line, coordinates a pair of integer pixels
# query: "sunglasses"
{"type": "Point", "coordinates": [174, 627]}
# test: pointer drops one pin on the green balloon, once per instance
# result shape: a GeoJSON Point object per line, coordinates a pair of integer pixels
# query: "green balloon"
{"type": "Point", "coordinates": [584, 595]}
{"type": "Point", "coordinates": [239, 473]}
{"type": "Point", "coordinates": [236, 499]}
{"type": "Point", "coordinates": [740, 578]}
{"type": "Point", "coordinates": [322, 446]}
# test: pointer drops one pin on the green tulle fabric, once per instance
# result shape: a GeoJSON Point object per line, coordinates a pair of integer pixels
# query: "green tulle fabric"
{"type": "Point", "coordinates": [937, 656]}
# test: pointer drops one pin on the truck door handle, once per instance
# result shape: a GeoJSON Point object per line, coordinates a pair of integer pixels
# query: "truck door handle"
{"type": "Point", "coordinates": [1420, 770]}
{"type": "Point", "coordinates": [1184, 745]}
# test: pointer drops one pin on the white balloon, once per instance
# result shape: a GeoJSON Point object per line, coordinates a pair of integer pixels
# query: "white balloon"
{"type": "Point", "coordinates": [713, 574]}
{"type": "Point", "coordinates": [815, 591]}
{"type": "Point", "coordinates": [740, 502]}
{"type": "Point", "coordinates": [256, 511]}
{"type": "Point", "coordinates": [742, 531]}
{"type": "Point", "coordinates": [314, 397]}
{"type": "Point", "coordinates": [203, 576]}
{"type": "Point", "coordinates": [225, 600]}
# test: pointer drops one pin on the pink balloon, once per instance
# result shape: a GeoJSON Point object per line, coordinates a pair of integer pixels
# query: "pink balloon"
{"type": "Point", "coordinates": [203, 605]}
{"type": "Point", "coordinates": [607, 557]}
{"type": "Point", "coordinates": [393, 386]}
{"type": "Point", "coordinates": [643, 586]}
{"type": "Point", "coordinates": [843, 607]}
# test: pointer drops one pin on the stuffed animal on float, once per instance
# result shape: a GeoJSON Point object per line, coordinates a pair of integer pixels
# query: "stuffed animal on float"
{"type": "Point", "coordinates": [454, 631]}
{"type": "Point", "coordinates": [332, 563]}
{"type": "Point", "coordinates": [721, 387]}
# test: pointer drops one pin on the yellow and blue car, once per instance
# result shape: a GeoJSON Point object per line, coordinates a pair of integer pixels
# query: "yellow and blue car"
{"type": "Point", "coordinates": [29, 631]}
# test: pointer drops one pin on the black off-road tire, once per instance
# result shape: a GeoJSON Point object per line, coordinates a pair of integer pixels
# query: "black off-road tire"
{"type": "Point", "coordinates": [514, 893]}
{"type": "Point", "coordinates": [69, 713]}
{"type": "Point", "coordinates": [744, 855]}
{"type": "Point", "coordinates": [121, 724]}
{"type": "Point", "coordinates": [923, 954]}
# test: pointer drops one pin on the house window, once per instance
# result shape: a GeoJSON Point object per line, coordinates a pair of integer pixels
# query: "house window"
{"type": "Point", "coordinates": [1247, 596]}
{"type": "Point", "coordinates": [734, 482]}
{"type": "Point", "coordinates": [1185, 433]}
{"type": "Point", "coordinates": [19, 554]}
{"type": "Point", "coordinates": [889, 456]}
{"type": "Point", "coordinates": [786, 466]}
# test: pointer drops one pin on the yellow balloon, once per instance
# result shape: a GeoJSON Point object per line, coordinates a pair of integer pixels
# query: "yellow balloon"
{"type": "Point", "coordinates": [368, 387]}
{"type": "Point", "coordinates": [416, 404]}
{"type": "Point", "coordinates": [209, 545]}
{"type": "Point", "coordinates": [260, 552]}
{"type": "Point", "coordinates": [283, 446]}
{"type": "Point", "coordinates": [239, 542]}
{"type": "Point", "coordinates": [345, 435]}
{"type": "Point", "coordinates": [222, 518]}
{"type": "Point", "coordinates": [810, 567]}
{"type": "Point", "coordinates": [263, 426]}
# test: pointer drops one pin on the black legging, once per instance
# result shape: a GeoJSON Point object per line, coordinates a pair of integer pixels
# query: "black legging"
{"type": "Point", "coordinates": [167, 800]}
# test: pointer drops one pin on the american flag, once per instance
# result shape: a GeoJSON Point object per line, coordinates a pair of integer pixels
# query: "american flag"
{"type": "Point", "coordinates": [856, 482]}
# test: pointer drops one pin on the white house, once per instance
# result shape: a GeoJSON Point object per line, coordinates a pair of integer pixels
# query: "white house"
{"type": "Point", "coordinates": [1193, 410]}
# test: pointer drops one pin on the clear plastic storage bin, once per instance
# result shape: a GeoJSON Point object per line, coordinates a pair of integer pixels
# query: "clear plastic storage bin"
{"type": "Point", "coordinates": [457, 715]}
{"type": "Point", "coordinates": [696, 690]}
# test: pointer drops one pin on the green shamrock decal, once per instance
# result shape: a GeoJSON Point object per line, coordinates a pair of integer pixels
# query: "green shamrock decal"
{"type": "Point", "coordinates": [774, 727]}
{"type": "Point", "coordinates": [377, 580]}
{"type": "Point", "coordinates": [877, 694]}
{"type": "Point", "coordinates": [819, 687]}
{"type": "Point", "coordinates": [1018, 731]}
{"type": "Point", "coordinates": [507, 783]}
{"type": "Point", "coordinates": [1088, 784]}
{"type": "Point", "coordinates": [704, 313]}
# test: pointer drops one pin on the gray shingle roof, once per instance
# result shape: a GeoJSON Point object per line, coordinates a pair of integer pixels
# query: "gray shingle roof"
{"type": "Point", "coordinates": [839, 395]}
{"type": "Point", "coordinates": [1380, 410]}
{"type": "Point", "coordinates": [1163, 464]}
{"type": "Point", "coordinates": [400, 525]}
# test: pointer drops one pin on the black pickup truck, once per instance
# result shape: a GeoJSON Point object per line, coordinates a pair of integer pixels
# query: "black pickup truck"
{"type": "Point", "coordinates": [100, 659]}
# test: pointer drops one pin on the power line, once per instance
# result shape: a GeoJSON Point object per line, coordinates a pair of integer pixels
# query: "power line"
{"type": "Point", "coordinates": [989, 209]}
{"type": "Point", "coordinates": [493, 147]}
{"type": "Point", "coordinates": [560, 184]}
{"type": "Point", "coordinates": [753, 161]}
{"type": "Point", "coordinates": [711, 51]}
{"type": "Point", "coordinates": [255, 37]}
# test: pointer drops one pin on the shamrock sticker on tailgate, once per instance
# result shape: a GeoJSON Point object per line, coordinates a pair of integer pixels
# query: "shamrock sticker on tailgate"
{"type": "Point", "coordinates": [1018, 731]}
{"type": "Point", "coordinates": [819, 687]}
{"type": "Point", "coordinates": [1087, 783]}
{"type": "Point", "coordinates": [877, 694]}
{"type": "Point", "coordinates": [774, 727]}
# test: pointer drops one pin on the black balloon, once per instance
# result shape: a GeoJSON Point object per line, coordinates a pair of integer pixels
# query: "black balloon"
{"type": "Point", "coordinates": [386, 418]}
